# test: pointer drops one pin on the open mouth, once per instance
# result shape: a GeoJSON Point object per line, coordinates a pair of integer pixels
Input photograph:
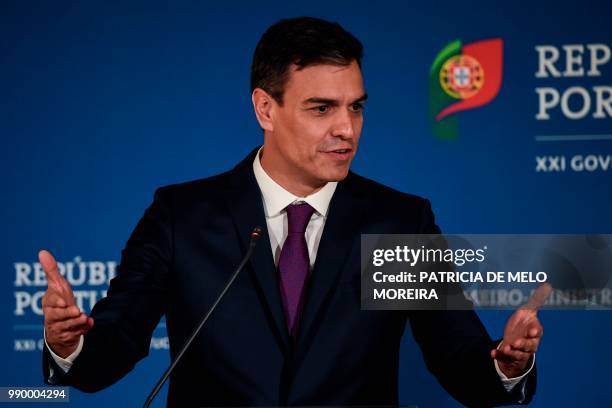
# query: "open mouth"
{"type": "Point", "coordinates": [340, 154]}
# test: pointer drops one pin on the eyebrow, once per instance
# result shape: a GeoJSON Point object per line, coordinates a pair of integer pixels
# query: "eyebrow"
{"type": "Point", "coordinates": [332, 102]}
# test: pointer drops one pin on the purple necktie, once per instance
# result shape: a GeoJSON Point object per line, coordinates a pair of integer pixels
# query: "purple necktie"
{"type": "Point", "coordinates": [294, 264]}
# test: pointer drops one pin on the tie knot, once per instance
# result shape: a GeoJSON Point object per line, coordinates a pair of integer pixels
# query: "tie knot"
{"type": "Point", "coordinates": [298, 216]}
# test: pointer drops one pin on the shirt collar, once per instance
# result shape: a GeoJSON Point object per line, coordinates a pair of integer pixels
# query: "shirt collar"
{"type": "Point", "coordinates": [276, 198]}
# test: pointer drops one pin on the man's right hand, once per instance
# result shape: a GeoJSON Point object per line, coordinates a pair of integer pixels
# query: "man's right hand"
{"type": "Point", "coordinates": [64, 321]}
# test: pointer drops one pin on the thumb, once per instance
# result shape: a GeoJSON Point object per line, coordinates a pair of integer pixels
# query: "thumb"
{"type": "Point", "coordinates": [55, 279]}
{"type": "Point", "coordinates": [49, 265]}
{"type": "Point", "coordinates": [90, 323]}
{"type": "Point", "coordinates": [539, 297]}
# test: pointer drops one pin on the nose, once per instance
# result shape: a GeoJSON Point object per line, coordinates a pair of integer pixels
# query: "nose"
{"type": "Point", "coordinates": [345, 125]}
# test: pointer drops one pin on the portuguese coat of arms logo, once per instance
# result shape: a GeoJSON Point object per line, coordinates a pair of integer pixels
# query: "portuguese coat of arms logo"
{"type": "Point", "coordinates": [462, 77]}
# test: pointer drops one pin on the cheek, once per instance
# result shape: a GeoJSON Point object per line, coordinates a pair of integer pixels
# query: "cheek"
{"type": "Point", "coordinates": [309, 137]}
{"type": "Point", "coordinates": [289, 135]}
{"type": "Point", "coordinates": [295, 143]}
{"type": "Point", "coordinates": [304, 136]}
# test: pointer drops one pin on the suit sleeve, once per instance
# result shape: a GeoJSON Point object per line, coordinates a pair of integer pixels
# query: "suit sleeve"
{"type": "Point", "coordinates": [456, 348]}
{"type": "Point", "coordinates": [124, 320]}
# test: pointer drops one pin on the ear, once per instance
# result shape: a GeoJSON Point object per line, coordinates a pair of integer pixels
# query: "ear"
{"type": "Point", "coordinates": [264, 106]}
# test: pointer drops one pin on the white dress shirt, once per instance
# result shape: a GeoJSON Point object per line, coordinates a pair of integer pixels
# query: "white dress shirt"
{"type": "Point", "coordinates": [276, 199]}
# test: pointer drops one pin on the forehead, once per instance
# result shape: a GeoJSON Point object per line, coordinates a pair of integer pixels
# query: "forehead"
{"type": "Point", "coordinates": [324, 81]}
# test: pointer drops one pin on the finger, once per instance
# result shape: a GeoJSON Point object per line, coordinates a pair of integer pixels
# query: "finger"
{"type": "Point", "coordinates": [70, 336]}
{"type": "Point", "coordinates": [58, 314]}
{"type": "Point", "coordinates": [49, 265]}
{"type": "Point", "coordinates": [498, 355]}
{"type": "Point", "coordinates": [53, 298]}
{"type": "Point", "coordinates": [55, 279]}
{"type": "Point", "coordinates": [506, 353]}
{"type": "Point", "coordinates": [526, 345]}
{"type": "Point", "coordinates": [506, 348]}
{"type": "Point", "coordinates": [76, 323]}
{"type": "Point", "coordinates": [518, 343]}
{"type": "Point", "coordinates": [539, 297]}
{"type": "Point", "coordinates": [534, 330]}
{"type": "Point", "coordinates": [83, 328]}
{"type": "Point", "coordinates": [67, 291]}
{"type": "Point", "coordinates": [76, 330]}
{"type": "Point", "coordinates": [520, 355]}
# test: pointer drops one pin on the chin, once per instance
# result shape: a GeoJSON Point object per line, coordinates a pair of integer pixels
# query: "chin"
{"type": "Point", "coordinates": [336, 175]}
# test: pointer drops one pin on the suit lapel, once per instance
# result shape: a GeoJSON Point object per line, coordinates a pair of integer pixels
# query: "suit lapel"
{"type": "Point", "coordinates": [246, 206]}
{"type": "Point", "coordinates": [340, 233]}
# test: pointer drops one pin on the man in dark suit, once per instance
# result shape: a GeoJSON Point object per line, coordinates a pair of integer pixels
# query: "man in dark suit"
{"type": "Point", "coordinates": [290, 330]}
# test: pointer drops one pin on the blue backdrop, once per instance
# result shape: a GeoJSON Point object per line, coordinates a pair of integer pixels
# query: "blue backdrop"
{"type": "Point", "coordinates": [100, 103]}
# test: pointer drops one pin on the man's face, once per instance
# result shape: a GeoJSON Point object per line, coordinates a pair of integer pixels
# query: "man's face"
{"type": "Point", "coordinates": [316, 130]}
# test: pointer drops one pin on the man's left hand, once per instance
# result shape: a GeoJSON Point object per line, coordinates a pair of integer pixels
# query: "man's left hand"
{"type": "Point", "coordinates": [522, 335]}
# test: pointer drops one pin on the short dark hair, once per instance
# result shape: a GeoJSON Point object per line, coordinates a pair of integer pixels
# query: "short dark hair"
{"type": "Point", "coordinates": [302, 41]}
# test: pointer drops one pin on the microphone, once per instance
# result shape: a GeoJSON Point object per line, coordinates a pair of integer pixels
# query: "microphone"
{"type": "Point", "coordinates": [255, 234]}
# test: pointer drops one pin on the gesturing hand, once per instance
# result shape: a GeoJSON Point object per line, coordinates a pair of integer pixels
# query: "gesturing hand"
{"type": "Point", "coordinates": [64, 321]}
{"type": "Point", "coordinates": [522, 335]}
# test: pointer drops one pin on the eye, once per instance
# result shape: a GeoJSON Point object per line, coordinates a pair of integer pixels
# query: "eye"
{"type": "Point", "coordinates": [357, 107]}
{"type": "Point", "coordinates": [321, 109]}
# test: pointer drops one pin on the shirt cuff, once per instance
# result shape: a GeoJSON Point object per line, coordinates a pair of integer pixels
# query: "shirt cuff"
{"type": "Point", "coordinates": [510, 383]}
{"type": "Point", "coordinates": [65, 363]}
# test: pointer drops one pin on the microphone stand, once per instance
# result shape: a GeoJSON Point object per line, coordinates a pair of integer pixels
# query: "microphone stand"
{"type": "Point", "coordinates": [254, 237]}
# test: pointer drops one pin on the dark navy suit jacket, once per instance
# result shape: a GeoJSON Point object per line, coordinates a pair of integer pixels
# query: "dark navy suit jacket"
{"type": "Point", "coordinates": [184, 249]}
